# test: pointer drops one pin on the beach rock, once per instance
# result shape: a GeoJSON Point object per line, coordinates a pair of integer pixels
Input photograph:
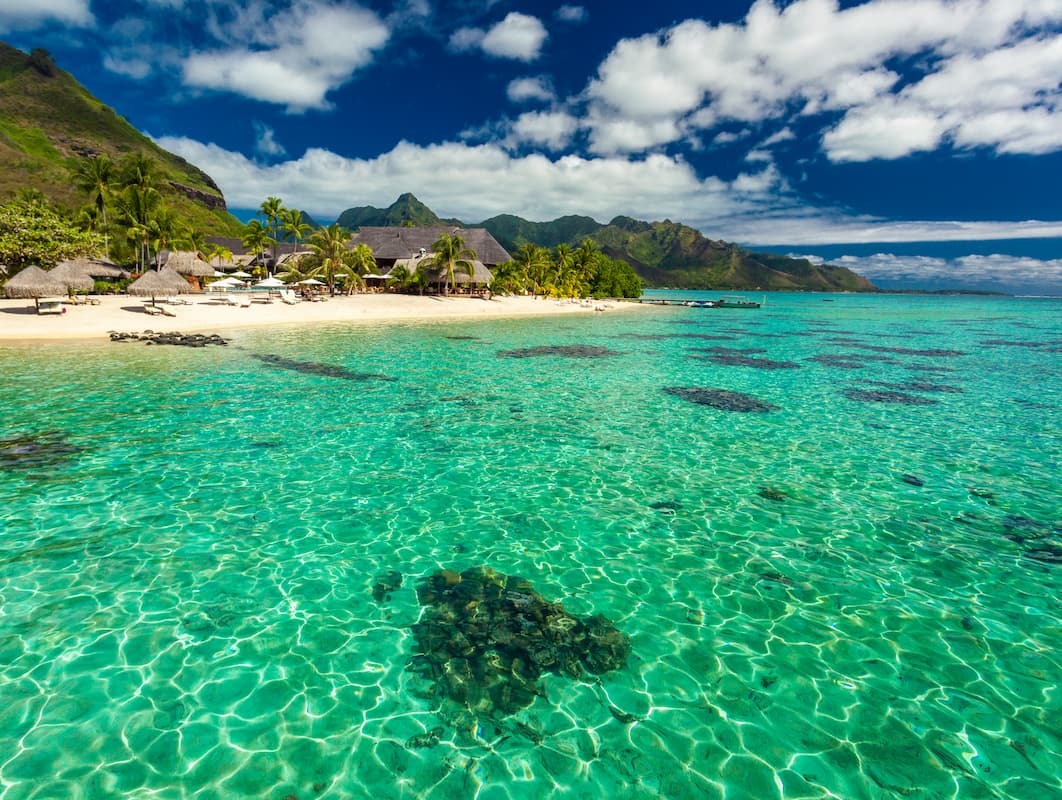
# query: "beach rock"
{"type": "Point", "coordinates": [720, 398]}
{"type": "Point", "coordinates": [564, 351]}
{"type": "Point", "coordinates": [486, 638]}
{"type": "Point", "coordinates": [149, 337]}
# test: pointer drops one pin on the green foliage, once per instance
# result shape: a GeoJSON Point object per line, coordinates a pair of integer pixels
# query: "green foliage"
{"type": "Point", "coordinates": [330, 246]}
{"type": "Point", "coordinates": [451, 256]}
{"type": "Point", "coordinates": [35, 233]}
{"type": "Point", "coordinates": [582, 272]}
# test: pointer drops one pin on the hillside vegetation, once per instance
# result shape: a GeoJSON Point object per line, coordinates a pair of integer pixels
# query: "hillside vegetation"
{"type": "Point", "coordinates": [48, 120]}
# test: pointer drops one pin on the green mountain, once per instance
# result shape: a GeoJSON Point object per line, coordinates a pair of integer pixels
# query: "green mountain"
{"type": "Point", "coordinates": [48, 119]}
{"type": "Point", "coordinates": [407, 210]}
{"type": "Point", "coordinates": [675, 255]}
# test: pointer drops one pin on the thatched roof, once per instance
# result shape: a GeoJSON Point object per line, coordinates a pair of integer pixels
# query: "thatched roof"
{"type": "Point", "coordinates": [153, 284]}
{"type": "Point", "coordinates": [71, 273]}
{"type": "Point", "coordinates": [185, 263]}
{"type": "Point", "coordinates": [96, 267]}
{"type": "Point", "coordinates": [34, 282]}
{"type": "Point", "coordinates": [392, 243]}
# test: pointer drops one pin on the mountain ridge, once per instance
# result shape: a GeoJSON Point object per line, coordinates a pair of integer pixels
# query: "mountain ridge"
{"type": "Point", "coordinates": [665, 253]}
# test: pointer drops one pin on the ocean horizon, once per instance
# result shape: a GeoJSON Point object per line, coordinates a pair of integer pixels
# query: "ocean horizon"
{"type": "Point", "coordinates": [810, 550]}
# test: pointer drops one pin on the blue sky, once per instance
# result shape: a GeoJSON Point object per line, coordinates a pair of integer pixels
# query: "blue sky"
{"type": "Point", "coordinates": [918, 141]}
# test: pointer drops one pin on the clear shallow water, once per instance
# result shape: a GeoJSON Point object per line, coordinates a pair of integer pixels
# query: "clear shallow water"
{"type": "Point", "coordinates": [186, 604]}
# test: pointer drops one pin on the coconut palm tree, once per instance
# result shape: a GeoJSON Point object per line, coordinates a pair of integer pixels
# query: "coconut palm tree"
{"type": "Point", "coordinates": [255, 238]}
{"type": "Point", "coordinates": [451, 255]}
{"type": "Point", "coordinates": [272, 209]}
{"type": "Point", "coordinates": [139, 170]}
{"type": "Point", "coordinates": [360, 261]}
{"type": "Point", "coordinates": [294, 225]}
{"type": "Point", "coordinates": [535, 263]}
{"type": "Point", "coordinates": [136, 209]}
{"type": "Point", "coordinates": [330, 246]}
{"type": "Point", "coordinates": [94, 177]}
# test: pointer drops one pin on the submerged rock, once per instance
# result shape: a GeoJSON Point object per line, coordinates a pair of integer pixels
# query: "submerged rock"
{"type": "Point", "coordinates": [882, 396]}
{"type": "Point", "coordinates": [31, 451]}
{"type": "Point", "coordinates": [315, 368]}
{"type": "Point", "coordinates": [385, 584]}
{"type": "Point", "coordinates": [770, 493]}
{"type": "Point", "coordinates": [486, 638]}
{"type": "Point", "coordinates": [564, 351]}
{"type": "Point", "coordinates": [914, 480]}
{"type": "Point", "coordinates": [721, 399]}
{"type": "Point", "coordinates": [735, 359]}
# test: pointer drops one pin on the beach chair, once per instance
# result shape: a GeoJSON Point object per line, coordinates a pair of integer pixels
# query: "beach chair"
{"type": "Point", "coordinates": [153, 311]}
{"type": "Point", "coordinates": [245, 302]}
{"type": "Point", "coordinates": [231, 300]}
{"type": "Point", "coordinates": [288, 296]}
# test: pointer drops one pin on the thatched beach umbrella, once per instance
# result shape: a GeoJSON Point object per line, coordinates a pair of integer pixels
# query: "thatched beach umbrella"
{"type": "Point", "coordinates": [34, 282]}
{"type": "Point", "coordinates": [72, 274]}
{"type": "Point", "coordinates": [154, 284]}
{"type": "Point", "coordinates": [188, 263]}
{"type": "Point", "coordinates": [96, 267]}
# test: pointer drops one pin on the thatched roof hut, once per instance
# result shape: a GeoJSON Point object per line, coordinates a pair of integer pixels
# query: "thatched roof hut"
{"type": "Point", "coordinates": [96, 268]}
{"type": "Point", "coordinates": [71, 273]}
{"type": "Point", "coordinates": [185, 262]}
{"type": "Point", "coordinates": [481, 276]}
{"type": "Point", "coordinates": [155, 284]}
{"type": "Point", "coordinates": [389, 244]}
{"type": "Point", "coordinates": [32, 281]}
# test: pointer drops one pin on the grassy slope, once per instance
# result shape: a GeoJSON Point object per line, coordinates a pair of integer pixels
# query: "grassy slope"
{"type": "Point", "coordinates": [47, 120]}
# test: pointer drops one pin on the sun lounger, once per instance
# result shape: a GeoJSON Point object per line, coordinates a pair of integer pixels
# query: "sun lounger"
{"type": "Point", "coordinates": [154, 311]}
{"type": "Point", "coordinates": [245, 301]}
{"type": "Point", "coordinates": [288, 296]}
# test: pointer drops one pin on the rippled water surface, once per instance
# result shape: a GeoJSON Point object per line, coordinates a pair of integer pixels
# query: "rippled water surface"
{"type": "Point", "coordinates": [849, 590]}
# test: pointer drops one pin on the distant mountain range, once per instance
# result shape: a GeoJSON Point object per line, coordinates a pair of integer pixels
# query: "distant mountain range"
{"type": "Point", "coordinates": [48, 119]}
{"type": "Point", "coordinates": [662, 253]}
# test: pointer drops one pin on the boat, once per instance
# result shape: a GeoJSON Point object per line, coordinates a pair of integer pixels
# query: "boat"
{"type": "Point", "coordinates": [734, 301]}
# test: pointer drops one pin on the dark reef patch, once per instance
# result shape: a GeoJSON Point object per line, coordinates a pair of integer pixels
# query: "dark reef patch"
{"type": "Point", "coordinates": [726, 351]}
{"type": "Point", "coordinates": [770, 493]}
{"type": "Point", "coordinates": [883, 396]}
{"type": "Point", "coordinates": [734, 359]}
{"type": "Point", "coordinates": [315, 368]}
{"type": "Point", "coordinates": [911, 351]}
{"type": "Point", "coordinates": [462, 338]}
{"type": "Point", "coordinates": [666, 505]}
{"type": "Point", "coordinates": [33, 451]}
{"type": "Point", "coordinates": [659, 337]}
{"type": "Point", "coordinates": [917, 386]}
{"type": "Point", "coordinates": [385, 584]}
{"type": "Point", "coordinates": [562, 350]}
{"type": "Point", "coordinates": [721, 399]}
{"type": "Point", "coordinates": [913, 480]}
{"type": "Point", "coordinates": [839, 361]}
{"type": "Point", "coordinates": [485, 639]}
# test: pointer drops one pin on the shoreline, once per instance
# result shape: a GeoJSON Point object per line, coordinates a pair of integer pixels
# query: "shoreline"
{"type": "Point", "coordinates": [208, 314]}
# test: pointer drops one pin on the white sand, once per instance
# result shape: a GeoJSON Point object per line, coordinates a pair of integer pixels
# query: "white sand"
{"type": "Point", "coordinates": [206, 314]}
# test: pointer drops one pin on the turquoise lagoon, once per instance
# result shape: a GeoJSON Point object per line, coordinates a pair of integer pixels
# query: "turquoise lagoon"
{"type": "Point", "coordinates": [188, 556]}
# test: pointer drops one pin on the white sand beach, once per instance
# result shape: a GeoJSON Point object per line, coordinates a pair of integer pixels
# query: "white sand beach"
{"type": "Point", "coordinates": [209, 314]}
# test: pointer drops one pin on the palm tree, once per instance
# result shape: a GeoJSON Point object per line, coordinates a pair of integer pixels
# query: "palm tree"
{"type": "Point", "coordinates": [272, 209]}
{"type": "Point", "coordinates": [294, 225]}
{"type": "Point", "coordinates": [360, 261]}
{"type": "Point", "coordinates": [450, 254]}
{"type": "Point", "coordinates": [139, 170]}
{"type": "Point", "coordinates": [164, 229]}
{"type": "Point", "coordinates": [136, 209]}
{"type": "Point", "coordinates": [220, 252]}
{"type": "Point", "coordinates": [94, 176]}
{"type": "Point", "coordinates": [535, 262]}
{"type": "Point", "coordinates": [330, 245]}
{"type": "Point", "coordinates": [255, 238]}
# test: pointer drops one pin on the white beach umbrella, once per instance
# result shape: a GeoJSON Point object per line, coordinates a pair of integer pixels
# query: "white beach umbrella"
{"type": "Point", "coordinates": [271, 283]}
{"type": "Point", "coordinates": [311, 282]}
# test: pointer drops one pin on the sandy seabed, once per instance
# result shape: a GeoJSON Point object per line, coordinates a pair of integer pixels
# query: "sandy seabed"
{"type": "Point", "coordinates": [207, 314]}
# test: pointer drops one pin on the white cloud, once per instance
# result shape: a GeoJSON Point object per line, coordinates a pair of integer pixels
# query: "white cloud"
{"type": "Point", "coordinates": [265, 141]}
{"type": "Point", "coordinates": [22, 15]}
{"type": "Point", "coordinates": [297, 58]}
{"type": "Point", "coordinates": [573, 14]}
{"type": "Point", "coordinates": [815, 56]}
{"type": "Point", "coordinates": [999, 271]}
{"type": "Point", "coordinates": [474, 182]}
{"type": "Point", "coordinates": [518, 36]}
{"type": "Point", "coordinates": [524, 89]}
{"type": "Point", "coordinates": [550, 129]}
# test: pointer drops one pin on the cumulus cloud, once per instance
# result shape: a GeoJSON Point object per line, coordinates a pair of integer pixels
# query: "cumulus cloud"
{"type": "Point", "coordinates": [550, 129]}
{"type": "Point", "coordinates": [518, 36]}
{"type": "Point", "coordinates": [813, 57]}
{"type": "Point", "coordinates": [524, 89]}
{"type": "Point", "coordinates": [22, 15]}
{"type": "Point", "coordinates": [474, 182]}
{"type": "Point", "coordinates": [572, 14]}
{"type": "Point", "coordinates": [998, 271]}
{"type": "Point", "coordinates": [295, 57]}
